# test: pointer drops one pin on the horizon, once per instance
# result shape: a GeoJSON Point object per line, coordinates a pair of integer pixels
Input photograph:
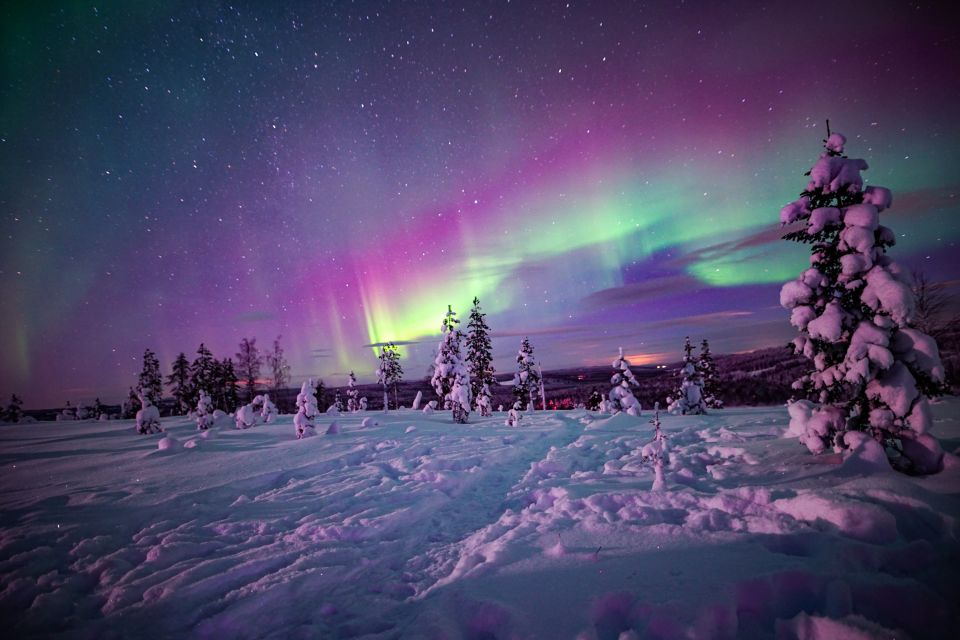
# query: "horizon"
{"type": "Point", "coordinates": [599, 176]}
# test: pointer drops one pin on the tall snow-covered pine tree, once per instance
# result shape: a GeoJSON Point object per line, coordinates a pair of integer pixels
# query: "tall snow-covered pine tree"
{"type": "Point", "coordinates": [711, 379]}
{"type": "Point", "coordinates": [872, 371]}
{"type": "Point", "coordinates": [479, 350]}
{"type": "Point", "coordinates": [526, 381]}
{"type": "Point", "coordinates": [451, 378]}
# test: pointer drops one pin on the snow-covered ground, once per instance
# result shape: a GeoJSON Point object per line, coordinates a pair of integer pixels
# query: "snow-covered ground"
{"type": "Point", "coordinates": [416, 527]}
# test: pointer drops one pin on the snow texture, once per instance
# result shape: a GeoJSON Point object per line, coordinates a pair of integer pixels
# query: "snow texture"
{"type": "Point", "coordinates": [416, 528]}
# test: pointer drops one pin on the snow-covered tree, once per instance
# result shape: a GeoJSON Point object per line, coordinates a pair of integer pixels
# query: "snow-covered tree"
{"type": "Point", "coordinates": [479, 348]}
{"type": "Point", "coordinates": [337, 402]}
{"type": "Point", "coordinates": [621, 398]}
{"type": "Point", "coordinates": [150, 380]}
{"type": "Point", "coordinates": [306, 410]}
{"type": "Point", "coordinates": [389, 372]}
{"type": "Point", "coordinates": [655, 451]}
{"type": "Point", "coordinates": [179, 382]}
{"type": "Point", "coordinates": [484, 401]}
{"type": "Point", "coordinates": [131, 405]}
{"type": "Point", "coordinates": [451, 379]}
{"type": "Point", "coordinates": [526, 381]}
{"type": "Point", "coordinates": [353, 394]}
{"type": "Point", "coordinates": [99, 410]}
{"type": "Point", "coordinates": [268, 410]}
{"type": "Point", "coordinates": [853, 307]}
{"type": "Point", "coordinates": [246, 415]}
{"type": "Point", "coordinates": [202, 372]}
{"type": "Point", "coordinates": [514, 415]}
{"type": "Point", "coordinates": [204, 411]}
{"type": "Point", "coordinates": [148, 417]}
{"type": "Point", "coordinates": [279, 368]}
{"type": "Point", "coordinates": [248, 365]}
{"type": "Point", "coordinates": [711, 379]}
{"type": "Point", "coordinates": [688, 399]}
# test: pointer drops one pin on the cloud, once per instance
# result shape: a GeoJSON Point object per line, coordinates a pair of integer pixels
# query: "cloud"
{"type": "Point", "coordinates": [545, 331]}
{"type": "Point", "coordinates": [256, 316]}
{"type": "Point", "coordinates": [398, 343]}
{"type": "Point", "coordinates": [643, 291]}
{"type": "Point", "coordinates": [701, 320]}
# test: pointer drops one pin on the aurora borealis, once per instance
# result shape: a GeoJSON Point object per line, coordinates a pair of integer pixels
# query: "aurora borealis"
{"type": "Point", "coordinates": [599, 174]}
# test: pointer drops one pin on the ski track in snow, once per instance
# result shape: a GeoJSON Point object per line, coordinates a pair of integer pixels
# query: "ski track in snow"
{"type": "Point", "coordinates": [478, 530]}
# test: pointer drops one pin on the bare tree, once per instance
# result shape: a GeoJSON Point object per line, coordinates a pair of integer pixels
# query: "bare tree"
{"type": "Point", "coordinates": [930, 303]}
{"type": "Point", "coordinates": [248, 364]}
{"type": "Point", "coordinates": [280, 370]}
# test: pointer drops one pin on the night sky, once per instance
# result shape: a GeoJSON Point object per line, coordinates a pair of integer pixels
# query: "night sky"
{"type": "Point", "coordinates": [599, 174]}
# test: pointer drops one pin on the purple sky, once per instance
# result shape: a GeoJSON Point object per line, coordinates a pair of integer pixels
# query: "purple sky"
{"type": "Point", "coordinates": [599, 174]}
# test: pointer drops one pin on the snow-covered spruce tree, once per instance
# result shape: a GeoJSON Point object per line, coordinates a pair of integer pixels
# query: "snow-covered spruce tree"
{"type": "Point", "coordinates": [526, 381]}
{"type": "Point", "coordinates": [148, 417]}
{"type": "Point", "coordinates": [711, 379]}
{"type": "Point", "coordinates": [306, 410]}
{"type": "Point", "coordinates": [337, 402]}
{"type": "Point", "coordinates": [353, 394]}
{"type": "Point", "coordinates": [389, 373]}
{"type": "Point", "coordinates": [872, 371]}
{"type": "Point", "coordinates": [131, 405]}
{"type": "Point", "coordinates": [621, 398]}
{"type": "Point", "coordinates": [202, 372]}
{"type": "Point", "coordinates": [451, 378]}
{"type": "Point", "coordinates": [179, 382]}
{"type": "Point", "coordinates": [479, 351]}
{"type": "Point", "coordinates": [150, 380]}
{"type": "Point", "coordinates": [689, 396]}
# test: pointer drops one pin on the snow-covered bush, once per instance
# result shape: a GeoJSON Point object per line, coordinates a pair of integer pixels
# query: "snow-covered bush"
{"type": "Point", "coordinates": [268, 410]}
{"type": "Point", "coordinates": [655, 451]}
{"type": "Point", "coordinates": [451, 379]}
{"type": "Point", "coordinates": [514, 416]}
{"type": "Point", "coordinates": [688, 399]}
{"type": "Point", "coordinates": [484, 400]}
{"type": "Point", "coordinates": [621, 398]}
{"type": "Point", "coordinates": [711, 379]}
{"type": "Point", "coordinates": [853, 307]}
{"type": "Point", "coordinates": [417, 400]}
{"type": "Point", "coordinates": [306, 410]}
{"type": "Point", "coordinates": [204, 411]}
{"type": "Point", "coordinates": [148, 417]}
{"type": "Point", "coordinates": [246, 415]}
{"type": "Point", "coordinates": [526, 381]}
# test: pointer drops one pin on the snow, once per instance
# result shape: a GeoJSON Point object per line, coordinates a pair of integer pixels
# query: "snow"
{"type": "Point", "coordinates": [413, 526]}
